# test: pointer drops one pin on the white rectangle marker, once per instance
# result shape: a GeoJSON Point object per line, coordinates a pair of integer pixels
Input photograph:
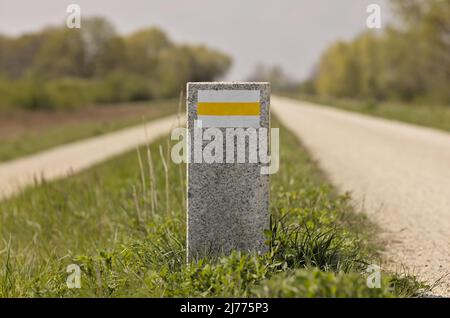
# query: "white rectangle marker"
{"type": "Point", "coordinates": [229, 96]}
{"type": "Point", "coordinates": [228, 121]}
{"type": "Point", "coordinates": [229, 108]}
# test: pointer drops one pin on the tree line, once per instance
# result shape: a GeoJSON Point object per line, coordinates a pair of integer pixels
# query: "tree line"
{"type": "Point", "coordinates": [62, 68]}
{"type": "Point", "coordinates": [408, 61]}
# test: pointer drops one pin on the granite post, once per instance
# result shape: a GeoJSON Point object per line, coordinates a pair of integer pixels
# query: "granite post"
{"type": "Point", "coordinates": [228, 200]}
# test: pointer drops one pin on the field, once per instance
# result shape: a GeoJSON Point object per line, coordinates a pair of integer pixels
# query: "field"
{"type": "Point", "coordinates": [25, 132]}
{"type": "Point", "coordinates": [123, 223]}
{"type": "Point", "coordinates": [434, 116]}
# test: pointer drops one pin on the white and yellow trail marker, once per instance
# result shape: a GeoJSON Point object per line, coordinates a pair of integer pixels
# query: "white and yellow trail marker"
{"type": "Point", "coordinates": [229, 108]}
{"type": "Point", "coordinates": [227, 198]}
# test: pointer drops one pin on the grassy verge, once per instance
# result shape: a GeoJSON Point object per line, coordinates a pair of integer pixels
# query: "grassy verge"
{"type": "Point", "coordinates": [126, 231]}
{"type": "Point", "coordinates": [435, 116]}
{"type": "Point", "coordinates": [48, 135]}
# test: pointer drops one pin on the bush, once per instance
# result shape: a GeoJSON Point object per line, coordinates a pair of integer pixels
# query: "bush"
{"type": "Point", "coordinates": [68, 93]}
{"type": "Point", "coordinates": [314, 283]}
{"type": "Point", "coordinates": [29, 94]}
{"type": "Point", "coordinates": [33, 94]}
{"type": "Point", "coordinates": [121, 87]}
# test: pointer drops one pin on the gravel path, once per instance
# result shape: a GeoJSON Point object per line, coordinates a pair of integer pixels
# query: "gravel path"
{"type": "Point", "coordinates": [64, 160]}
{"type": "Point", "coordinates": [400, 173]}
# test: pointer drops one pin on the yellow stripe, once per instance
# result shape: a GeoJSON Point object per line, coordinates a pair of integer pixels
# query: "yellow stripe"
{"type": "Point", "coordinates": [228, 109]}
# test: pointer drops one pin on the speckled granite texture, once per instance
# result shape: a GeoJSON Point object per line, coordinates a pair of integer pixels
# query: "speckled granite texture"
{"type": "Point", "coordinates": [228, 203]}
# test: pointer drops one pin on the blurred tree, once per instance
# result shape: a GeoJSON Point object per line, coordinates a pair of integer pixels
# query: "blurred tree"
{"type": "Point", "coordinates": [274, 74]}
{"type": "Point", "coordinates": [338, 74]}
{"type": "Point", "coordinates": [368, 59]}
{"type": "Point", "coordinates": [179, 65]}
{"type": "Point", "coordinates": [426, 24]}
{"type": "Point", "coordinates": [174, 70]}
{"type": "Point", "coordinates": [144, 49]}
{"type": "Point", "coordinates": [17, 54]}
{"type": "Point", "coordinates": [5, 48]}
{"type": "Point", "coordinates": [62, 54]}
{"type": "Point", "coordinates": [409, 60]}
{"type": "Point", "coordinates": [104, 50]}
{"type": "Point", "coordinates": [207, 64]}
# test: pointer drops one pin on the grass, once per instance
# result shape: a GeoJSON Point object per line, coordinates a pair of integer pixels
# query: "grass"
{"type": "Point", "coordinates": [48, 137]}
{"type": "Point", "coordinates": [434, 116]}
{"type": "Point", "coordinates": [123, 223]}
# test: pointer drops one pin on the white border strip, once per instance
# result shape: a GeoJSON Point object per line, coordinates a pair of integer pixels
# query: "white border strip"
{"type": "Point", "coordinates": [229, 96]}
{"type": "Point", "coordinates": [229, 121]}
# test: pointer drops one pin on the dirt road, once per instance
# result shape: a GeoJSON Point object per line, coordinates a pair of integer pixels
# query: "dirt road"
{"type": "Point", "coordinates": [400, 173]}
{"type": "Point", "coordinates": [74, 157]}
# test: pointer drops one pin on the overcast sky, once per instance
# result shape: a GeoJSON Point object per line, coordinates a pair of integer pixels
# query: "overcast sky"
{"type": "Point", "coordinates": [290, 33]}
